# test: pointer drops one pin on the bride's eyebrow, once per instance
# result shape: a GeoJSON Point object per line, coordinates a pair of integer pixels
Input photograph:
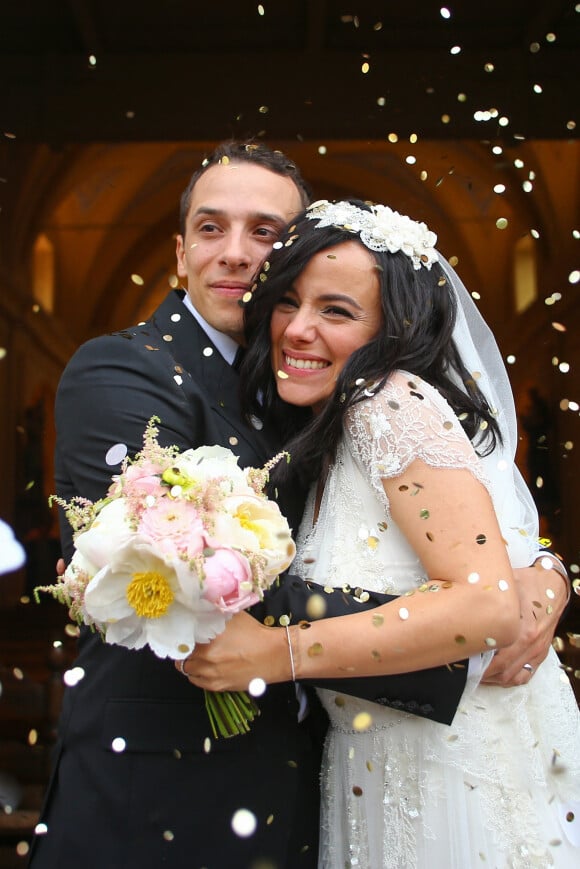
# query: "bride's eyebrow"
{"type": "Point", "coordinates": [340, 297]}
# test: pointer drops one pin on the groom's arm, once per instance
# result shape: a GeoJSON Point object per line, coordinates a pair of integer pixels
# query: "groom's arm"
{"type": "Point", "coordinates": [434, 693]}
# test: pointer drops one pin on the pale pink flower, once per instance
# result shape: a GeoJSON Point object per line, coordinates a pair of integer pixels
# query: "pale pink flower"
{"type": "Point", "coordinates": [174, 526]}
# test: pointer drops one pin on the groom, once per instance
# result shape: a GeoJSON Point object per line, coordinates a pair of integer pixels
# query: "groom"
{"type": "Point", "coordinates": [169, 798]}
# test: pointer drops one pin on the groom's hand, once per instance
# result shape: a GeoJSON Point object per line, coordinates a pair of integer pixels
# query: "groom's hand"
{"type": "Point", "coordinates": [543, 597]}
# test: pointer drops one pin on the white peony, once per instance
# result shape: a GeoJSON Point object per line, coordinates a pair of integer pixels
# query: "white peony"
{"type": "Point", "coordinates": [249, 522]}
{"type": "Point", "coordinates": [109, 532]}
{"type": "Point", "coordinates": [206, 463]}
{"type": "Point", "coordinates": [144, 599]}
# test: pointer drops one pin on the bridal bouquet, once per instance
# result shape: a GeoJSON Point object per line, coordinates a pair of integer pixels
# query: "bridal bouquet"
{"type": "Point", "coordinates": [181, 542]}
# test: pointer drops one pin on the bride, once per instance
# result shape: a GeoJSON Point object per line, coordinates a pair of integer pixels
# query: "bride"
{"type": "Point", "coordinates": [407, 436]}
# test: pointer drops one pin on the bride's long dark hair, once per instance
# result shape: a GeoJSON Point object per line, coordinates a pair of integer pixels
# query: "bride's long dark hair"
{"type": "Point", "coordinates": [418, 310]}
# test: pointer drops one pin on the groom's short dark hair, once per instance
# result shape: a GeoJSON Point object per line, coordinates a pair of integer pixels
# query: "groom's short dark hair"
{"type": "Point", "coordinates": [245, 152]}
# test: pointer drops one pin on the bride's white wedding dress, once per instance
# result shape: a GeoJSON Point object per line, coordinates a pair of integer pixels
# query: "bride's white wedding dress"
{"type": "Point", "coordinates": [493, 789]}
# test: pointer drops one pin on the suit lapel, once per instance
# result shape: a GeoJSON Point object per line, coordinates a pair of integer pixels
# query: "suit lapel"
{"type": "Point", "coordinates": [197, 357]}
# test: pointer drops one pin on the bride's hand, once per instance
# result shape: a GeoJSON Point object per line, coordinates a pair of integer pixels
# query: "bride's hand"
{"type": "Point", "coordinates": [245, 650]}
{"type": "Point", "coordinates": [540, 613]}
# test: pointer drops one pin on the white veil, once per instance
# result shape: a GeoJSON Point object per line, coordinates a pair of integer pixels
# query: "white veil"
{"type": "Point", "coordinates": [515, 508]}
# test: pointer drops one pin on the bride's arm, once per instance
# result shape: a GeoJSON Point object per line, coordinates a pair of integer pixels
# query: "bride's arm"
{"type": "Point", "coordinates": [470, 603]}
{"type": "Point", "coordinates": [448, 518]}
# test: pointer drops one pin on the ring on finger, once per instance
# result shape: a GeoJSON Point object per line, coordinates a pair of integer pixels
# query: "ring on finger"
{"type": "Point", "coordinates": [182, 668]}
{"type": "Point", "coordinates": [529, 668]}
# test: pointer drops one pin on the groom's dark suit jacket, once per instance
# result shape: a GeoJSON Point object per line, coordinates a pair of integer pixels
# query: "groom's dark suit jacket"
{"type": "Point", "coordinates": [165, 799]}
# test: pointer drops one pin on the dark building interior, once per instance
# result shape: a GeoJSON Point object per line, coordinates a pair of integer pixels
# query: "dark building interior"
{"type": "Point", "coordinates": [466, 117]}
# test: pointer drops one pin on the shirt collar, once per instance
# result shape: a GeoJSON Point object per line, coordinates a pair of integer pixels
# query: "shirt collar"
{"type": "Point", "coordinates": [226, 345]}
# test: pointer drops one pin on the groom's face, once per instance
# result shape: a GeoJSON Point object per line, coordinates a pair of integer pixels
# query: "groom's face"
{"type": "Point", "coordinates": [236, 214]}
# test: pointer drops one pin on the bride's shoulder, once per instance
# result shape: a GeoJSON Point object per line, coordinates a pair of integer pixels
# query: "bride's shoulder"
{"type": "Point", "coordinates": [402, 390]}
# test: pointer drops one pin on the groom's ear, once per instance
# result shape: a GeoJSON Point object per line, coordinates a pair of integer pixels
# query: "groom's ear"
{"type": "Point", "coordinates": [180, 255]}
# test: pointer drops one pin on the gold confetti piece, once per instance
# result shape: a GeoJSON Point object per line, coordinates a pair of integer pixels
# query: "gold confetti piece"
{"type": "Point", "coordinates": [314, 650]}
{"type": "Point", "coordinates": [32, 737]}
{"type": "Point", "coordinates": [282, 375]}
{"type": "Point", "coordinates": [549, 609]}
{"type": "Point", "coordinates": [284, 620]}
{"type": "Point", "coordinates": [339, 701]}
{"type": "Point", "coordinates": [550, 593]}
{"type": "Point", "coordinates": [269, 820]}
{"type": "Point", "coordinates": [369, 766]}
{"type": "Point", "coordinates": [316, 607]}
{"type": "Point", "coordinates": [357, 791]}
{"type": "Point", "coordinates": [489, 641]}
{"type": "Point", "coordinates": [481, 539]}
{"type": "Point", "coordinates": [376, 655]}
{"type": "Point", "coordinates": [570, 816]}
{"type": "Point", "coordinates": [168, 836]}
{"type": "Point", "coordinates": [224, 161]}
{"type": "Point", "coordinates": [558, 644]}
{"type": "Point", "coordinates": [362, 721]}
{"type": "Point", "coordinates": [372, 542]}
{"type": "Point", "coordinates": [424, 513]}
{"type": "Point", "coordinates": [246, 297]}
{"type": "Point", "coordinates": [293, 764]}
{"type": "Point", "coordinates": [329, 589]}
{"type": "Point", "coordinates": [138, 280]}
{"type": "Point", "coordinates": [460, 639]}
{"type": "Point", "coordinates": [378, 620]}
{"type": "Point", "coordinates": [17, 673]}
{"type": "Point", "coordinates": [269, 621]}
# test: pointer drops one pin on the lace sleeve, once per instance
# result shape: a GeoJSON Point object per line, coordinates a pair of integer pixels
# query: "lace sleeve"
{"type": "Point", "coordinates": [407, 420]}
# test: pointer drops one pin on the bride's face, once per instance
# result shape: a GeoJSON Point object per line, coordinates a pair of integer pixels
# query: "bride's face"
{"type": "Point", "coordinates": [331, 310]}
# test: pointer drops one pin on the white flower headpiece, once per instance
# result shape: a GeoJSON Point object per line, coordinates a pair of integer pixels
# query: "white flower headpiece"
{"type": "Point", "coordinates": [379, 229]}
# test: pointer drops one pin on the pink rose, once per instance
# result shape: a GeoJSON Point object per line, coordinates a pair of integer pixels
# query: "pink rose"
{"type": "Point", "coordinates": [225, 572]}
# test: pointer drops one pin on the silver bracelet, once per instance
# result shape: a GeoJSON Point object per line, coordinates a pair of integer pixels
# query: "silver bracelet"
{"type": "Point", "coordinates": [557, 565]}
{"type": "Point", "coordinates": [291, 653]}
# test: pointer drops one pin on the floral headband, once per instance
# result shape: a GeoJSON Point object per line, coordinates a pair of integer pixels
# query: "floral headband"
{"type": "Point", "coordinates": [380, 229]}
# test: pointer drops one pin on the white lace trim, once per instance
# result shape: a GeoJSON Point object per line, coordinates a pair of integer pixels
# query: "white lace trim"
{"type": "Point", "coordinates": [407, 420]}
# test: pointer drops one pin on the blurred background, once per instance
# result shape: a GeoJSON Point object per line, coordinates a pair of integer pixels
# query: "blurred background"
{"type": "Point", "coordinates": [465, 116]}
